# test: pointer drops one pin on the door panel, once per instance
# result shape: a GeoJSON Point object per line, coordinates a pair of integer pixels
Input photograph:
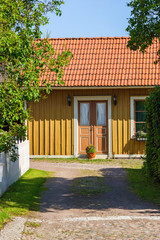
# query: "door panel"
{"type": "Point", "coordinates": [101, 141]}
{"type": "Point", "coordinates": [84, 142]}
{"type": "Point", "coordinates": [93, 126]}
{"type": "Point", "coordinates": [84, 138]}
{"type": "Point", "coordinates": [101, 144]}
{"type": "Point", "coordinates": [84, 131]}
{"type": "Point", "coordinates": [100, 135]}
{"type": "Point", "coordinates": [101, 130]}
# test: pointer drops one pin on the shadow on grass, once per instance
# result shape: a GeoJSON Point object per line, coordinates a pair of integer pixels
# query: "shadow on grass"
{"type": "Point", "coordinates": [144, 187]}
{"type": "Point", "coordinates": [22, 196]}
{"type": "Point", "coordinates": [25, 193]}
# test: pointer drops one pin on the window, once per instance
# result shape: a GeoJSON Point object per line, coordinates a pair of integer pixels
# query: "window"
{"type": "Point", "coordinates": [84, 114]}
{"type": "Point", "coordinates": [101, 114]}
{"type": "Point", "coordinates": [137, 111]}
{"type": "Point", "coordinates": [139, 116]}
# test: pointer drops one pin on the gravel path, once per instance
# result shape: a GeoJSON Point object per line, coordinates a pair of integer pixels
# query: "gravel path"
{"type": "Point", "coordinates": [60, 202]}
{"type": "Point", "coordinates": [115, 214]}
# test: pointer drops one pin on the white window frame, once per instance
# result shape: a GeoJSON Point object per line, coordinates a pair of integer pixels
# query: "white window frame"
{"type": "Point", "coordinates": [132, 99]}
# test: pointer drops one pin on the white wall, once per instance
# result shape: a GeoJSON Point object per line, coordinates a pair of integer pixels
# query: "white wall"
{"type": "Point", "coordinates": [12, 171]}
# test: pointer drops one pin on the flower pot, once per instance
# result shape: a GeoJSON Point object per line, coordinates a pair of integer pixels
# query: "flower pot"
{"type": "Point", "coordinates": [91, 155]}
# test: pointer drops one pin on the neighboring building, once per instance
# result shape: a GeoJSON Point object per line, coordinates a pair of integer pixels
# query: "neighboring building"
{"type": "Point", "coordinates": [101, 102]}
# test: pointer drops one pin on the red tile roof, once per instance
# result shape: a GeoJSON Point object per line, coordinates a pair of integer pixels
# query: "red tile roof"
{"type": "Point", "coordinates": [106, 62]}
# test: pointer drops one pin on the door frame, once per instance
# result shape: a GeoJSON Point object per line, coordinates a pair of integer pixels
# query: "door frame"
{"type": "Point", "coordinates": [92, 98]}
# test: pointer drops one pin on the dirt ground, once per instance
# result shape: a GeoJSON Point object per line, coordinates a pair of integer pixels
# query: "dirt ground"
{"type": "Point", "coordinates": [88, 201]}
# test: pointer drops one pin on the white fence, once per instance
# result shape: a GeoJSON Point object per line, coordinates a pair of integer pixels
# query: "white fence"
{"type": "Point", "coordinates": [12, 171]}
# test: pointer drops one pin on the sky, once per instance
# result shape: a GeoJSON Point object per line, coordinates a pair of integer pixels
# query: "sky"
{"type": "Point", "coordinates": [89, 18]}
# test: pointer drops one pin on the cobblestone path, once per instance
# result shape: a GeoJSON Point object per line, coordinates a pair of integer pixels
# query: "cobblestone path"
{"type": "Point", "coordinates": [116, 213]}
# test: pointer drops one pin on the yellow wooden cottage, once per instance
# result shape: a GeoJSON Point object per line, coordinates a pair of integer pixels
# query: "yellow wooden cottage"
{"type": "Point", "coordinates": [101, 101]}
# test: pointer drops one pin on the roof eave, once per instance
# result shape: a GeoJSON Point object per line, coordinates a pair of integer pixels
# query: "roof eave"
{"type": "Point", "coordinates": [97, 87]}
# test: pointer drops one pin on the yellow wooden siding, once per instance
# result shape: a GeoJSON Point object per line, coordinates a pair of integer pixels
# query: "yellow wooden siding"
{"type": "Point", "coordinates": [52, 130]}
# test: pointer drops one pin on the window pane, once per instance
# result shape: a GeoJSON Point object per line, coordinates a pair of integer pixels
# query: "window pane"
{"type": "Point", "coordinates": [140, 127]}
{"type": "Point", "coordinates": [101, 114]}
{"type": "Point", "coordinates": [140, 105]}
{"type": "Point", "coordinates": [84, 114]}
{"type": "Point", "coordinates": [140, 117]}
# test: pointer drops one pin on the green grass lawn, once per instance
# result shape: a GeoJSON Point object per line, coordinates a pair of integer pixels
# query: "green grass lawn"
{"type": "Point", "coordinates": [90, 161]}
{"type": "Point", "coordinates": [23, 196]}
{"type": "Point", "coordinates": [145, 188]}
{"type": "Point", "coordinates": [72, 160]}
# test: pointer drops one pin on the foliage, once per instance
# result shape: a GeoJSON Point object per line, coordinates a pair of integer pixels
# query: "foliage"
{"type": "Point", "coordinates": [140, 134]}
{"type": "Point", "coordinates": [144, 28]}
{"type": "Point", "coordinates": [144, 24]}
{"type": "Point", "coordinates": [90, 149]}
{"type": "Point", "coordinates": [23, 195]}
{"type": "Point", "coordinates": [8, 145]}
{"type": "Point", "coordinates": [23, 60]}
{"type": "Point", "coordinates": [152, 161]}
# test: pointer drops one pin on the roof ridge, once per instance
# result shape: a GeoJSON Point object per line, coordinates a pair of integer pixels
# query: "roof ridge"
{"type": "Point", "coordinates": [69, 38]}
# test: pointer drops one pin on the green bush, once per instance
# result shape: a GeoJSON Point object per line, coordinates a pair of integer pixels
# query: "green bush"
{"type": "Point", "coordinates": [152, 161]}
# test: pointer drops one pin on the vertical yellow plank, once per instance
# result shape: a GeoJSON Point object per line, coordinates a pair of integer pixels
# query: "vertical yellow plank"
{"type": "Point", "coordinates": [66, 126]}
{"type": "Point", "coordinates": [41, 128]}
{"type": "Point", "coordinates": [60, 119]}
{"type": "Point", "coordinates": [36, 132]}
{"type": "Point", "coordinates": [63, 139]}
{"type": "Point", "coordinates": [33, 137]}
{"type": "Point", "coordinates": [119, 105]}
{"type": "Point", "coordinates": [141, 149]}
{"type": "Point", "coordinates": [38, 110]}
{"type": "Point", "coordinates": [128, 123]}
{"type": "Point", "coordinates": [46, 123]}
{"type": "Point", "coordinates": [68, 130]}
{"type": "Point", "coordinates": [52, 106]}
{"type": "Point", "coordinates": [57, 124]}
{"type": "Point", "coordinates": [30, 136]}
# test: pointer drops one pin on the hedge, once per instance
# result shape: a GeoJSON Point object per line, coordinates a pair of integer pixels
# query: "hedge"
{"type": "Point", "coordinates": [152, 162]}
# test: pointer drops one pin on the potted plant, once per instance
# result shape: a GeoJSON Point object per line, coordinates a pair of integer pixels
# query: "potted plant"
{"type": "Point", "coordinates": [91, 151]}
{"type": "Point", "coordinates": [141, 136]}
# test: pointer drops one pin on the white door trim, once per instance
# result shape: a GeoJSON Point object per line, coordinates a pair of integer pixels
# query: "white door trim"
{"type": "Point", "coordinates": [90, 98]}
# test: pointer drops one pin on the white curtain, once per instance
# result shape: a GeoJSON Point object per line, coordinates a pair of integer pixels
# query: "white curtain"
{"type": "Point", "coordinates": [101, 114]}
{"type": "Point", "coordinates": [84, 114]}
